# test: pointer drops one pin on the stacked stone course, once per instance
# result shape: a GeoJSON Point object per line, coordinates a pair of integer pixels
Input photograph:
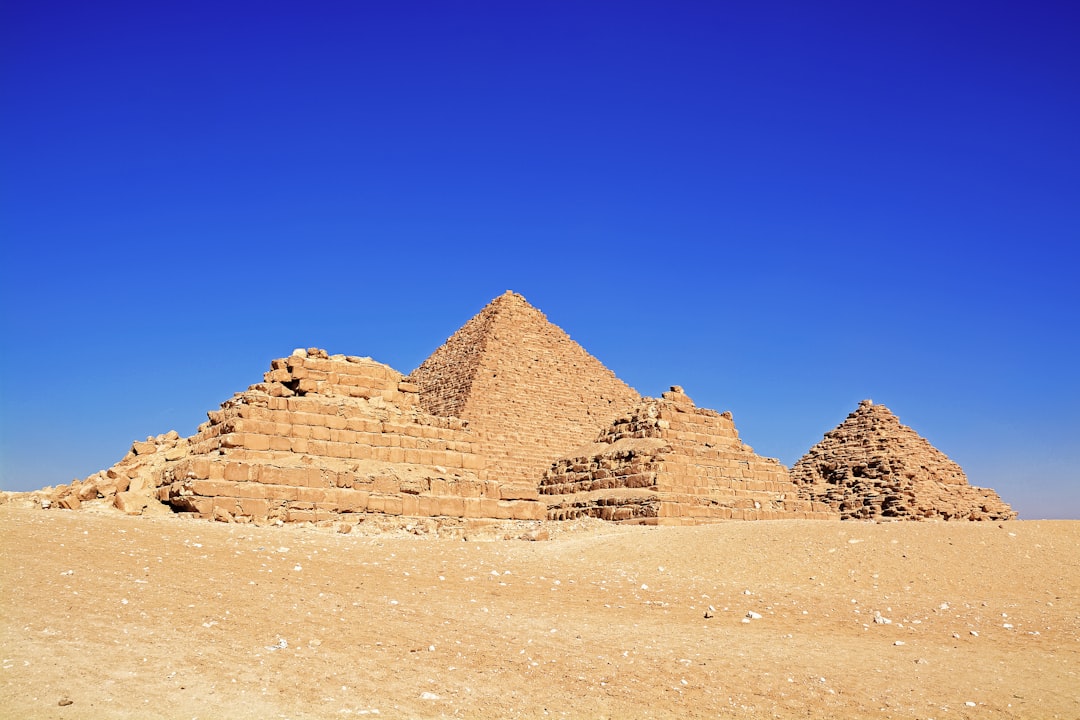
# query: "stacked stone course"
{"type": "Point", "coordinates": [325, 438]}
{"type": "Point", "coordinates": [669, 462]}
{"type": "Point", "coordinates": [871, 466]}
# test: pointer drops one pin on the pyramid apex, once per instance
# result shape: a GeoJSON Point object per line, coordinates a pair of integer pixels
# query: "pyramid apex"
{"type": "Point", "coordinates": [510, 296]}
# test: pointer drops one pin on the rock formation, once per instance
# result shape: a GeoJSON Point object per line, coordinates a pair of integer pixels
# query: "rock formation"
{"type": "Point", "coordinates": [872, 466]}
{"type": "Point", "coordinates": [528, 391]}
{"type": "Point", "coordinates": [669, 462]}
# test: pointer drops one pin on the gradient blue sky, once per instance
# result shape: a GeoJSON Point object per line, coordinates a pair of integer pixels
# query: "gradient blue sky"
{"type": "Point", "coordinates": [783, 207]}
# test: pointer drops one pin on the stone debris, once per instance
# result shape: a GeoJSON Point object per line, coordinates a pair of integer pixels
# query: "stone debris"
{"type": "Point", "coordinates": [871, 466]}
{"type": "Point", "coordinates": [282, 644]}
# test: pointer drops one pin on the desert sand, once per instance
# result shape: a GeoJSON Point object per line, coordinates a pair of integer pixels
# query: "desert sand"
{"type": "Point", "coordinates": [110, 616]}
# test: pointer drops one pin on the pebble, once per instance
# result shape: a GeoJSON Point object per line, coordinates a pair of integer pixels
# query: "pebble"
{"type": "Point", "coordinates": [710, 612]}
{"type": "Point", "coordinates": [753, 615]}
{"type": "Point", "coordinates": [65, 701]}
{"type": "Point", "coordinates": [429, 696]}
{"type": "Point", "coordinates": [899, 642]}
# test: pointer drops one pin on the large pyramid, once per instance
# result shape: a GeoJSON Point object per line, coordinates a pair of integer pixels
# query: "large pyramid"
{"type": "Point", "coordinates": [669, 462]}
{"type": "Point", "coordinates": [528, 391]}
{"type": "Point", "coordinates": [872, 466]}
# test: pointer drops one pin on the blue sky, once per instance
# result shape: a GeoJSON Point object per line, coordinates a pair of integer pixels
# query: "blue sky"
{"type": "Point", "coordinates": [783, 207]}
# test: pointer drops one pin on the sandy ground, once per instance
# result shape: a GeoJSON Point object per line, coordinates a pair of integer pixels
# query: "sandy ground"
{"type": "Point", "coordinates": [166, 618]}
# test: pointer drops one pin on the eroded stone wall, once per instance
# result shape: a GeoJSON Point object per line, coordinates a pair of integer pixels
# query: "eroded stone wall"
{"type": "Point", "coordinates": [670, 462]}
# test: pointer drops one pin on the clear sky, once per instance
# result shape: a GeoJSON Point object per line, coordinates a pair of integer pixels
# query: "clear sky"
{"type": "Point", "coordinates": [783, 207]}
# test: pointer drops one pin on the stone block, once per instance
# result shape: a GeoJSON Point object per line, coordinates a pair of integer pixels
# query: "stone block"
{"type": "Point", "coordinates": [175, 453]}
{"type": "Point", "coordinates": [300, 515]}
{"type": "Point", "coordinates": [143, 448]}
{"type": "Point", "coordinates": [452, 507]}
{"type": "Point", "coordinates": [141, 484]}
{"type": "Point", "coordinates": [211, 488]}
{"type": "Point", "coordinates": [518, 491]}
{"type": "Point", "coordinates": [280, 443]}
{"type": "Point", "coordinates": [529, 511]}
{"type": "Point", "coordinates": [252, 507]}
{"type": "Point", "coordinates": [387, 485]}
{"type": "Point", "coordinates": [237, 472]}
{"type": "Point", "coordinates": [312, 495]}
{"type": "Point", "coordinates": [132, 503]}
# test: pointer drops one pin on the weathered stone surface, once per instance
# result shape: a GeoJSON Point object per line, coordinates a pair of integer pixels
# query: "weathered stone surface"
{"type": "Point", "coordinates": [872, 466]}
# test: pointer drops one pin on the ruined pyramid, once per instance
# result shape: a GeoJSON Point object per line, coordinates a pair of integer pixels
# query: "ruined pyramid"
{"type": "Point", "coordinates": [669, 462]}
{"type": "Point", "coordinates": [528, 391]}
{"type": "Point", "coordinates": [872, 466]}
{"type": "Point", "coordinates": [322, 438]}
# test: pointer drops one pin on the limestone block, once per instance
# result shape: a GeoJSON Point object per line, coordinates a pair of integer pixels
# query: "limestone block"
{"type": "Point", "coordinates": [138, 484]}
{"type": "Point", "coordinates": [252, 507]}
{"type": "Point", "coordinates": [518, 491]}
{"type": "Point", "coordinates": [143, 448]}
{"type": "Point", "coordinates": [132, 503]}
{"type": "Point", "coordinates": [410, 505]}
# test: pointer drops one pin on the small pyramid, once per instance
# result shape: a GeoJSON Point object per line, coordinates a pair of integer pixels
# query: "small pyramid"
{"type": "Point", "coordinates": [528, 391]}
{"type": "Point", "coordinates": [871, 466]}
{"type": "Point", "coordinates": [669, 462]}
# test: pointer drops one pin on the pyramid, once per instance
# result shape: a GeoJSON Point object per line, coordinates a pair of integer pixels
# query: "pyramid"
{"type": "Point", "coordinates": [872, 466]}
{"type": "Point", "coordinates": [322, 438]}
{"type": "Point", "coordinates": [668, 462]}
{"type": "Point", "coordinates": [528, 392]}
